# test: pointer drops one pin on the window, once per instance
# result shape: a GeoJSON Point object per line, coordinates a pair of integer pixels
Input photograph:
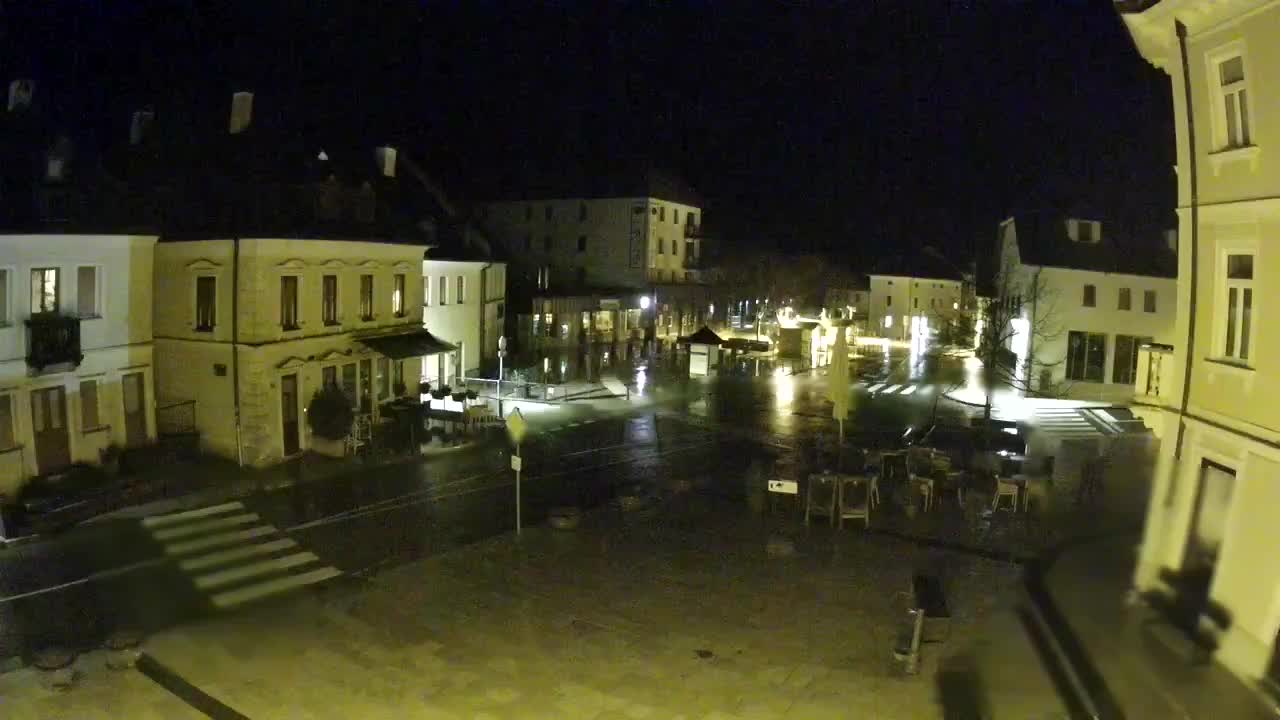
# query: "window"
{"type": "Point", "coordinates": [1090, 296]}
{"type": "Point", "coordinates": [384, 378]}
{"type": "Point", "coordinates": [1126, 301]}
{"type": "Point", "coordinates": [426, 290]}
{"type": "Point", "coordinates": [1125, 368]}
{"type": "Point", "coordinates": [582, 212]}
{"type": "Point", "coordinates": [444, 290]}
{"type": "Point", "coordinates": [289, 302]}
{"type": "Point", "coordinates": [6, 422]}
{"type": "Point", "coordinates": [87, 292]}
{"type": "Point", "coordinates": [329, 299]}
{"type": "Point", "coordinates": [366, 297]}
{"type": "Point", "coordinates": [206, 303]}
{"type": "Point", "coordinates": [546, 243]}
{"type": "Point", "coordinates": [662, 243]}
{"type": "Point", "coordinates": [329, 376]}
{"type": "Point", "coordinates": [460, 296]}
{"type": "Point", "coordinates": [1234, 103]}
{"type": "Point", "coordinates": [915, 304]}
{"type": "Point", "coordinates": [1086, 356]}
{"type": "Point", "coordinates": [1149, 301]}
{"type": "Point", "coordinates": [1238, 322]}
{"type": "Point", "coordinates": [44, 290]}
{"type": "Point", "coordinates": [4, 297]}
{"type": "Point", "coordinates": [582, 243]}
{"type": "Point", "coordinates": [690, 219]}
{"type": "Point", "coordinates": [675, 216]}
{"type": "Point", "coordinates": [89, 419]}
{"type": "Point", "coordinates": [547, 213]}
{"type": "Point", "coordinates": [662, 213]}
{"type": "Point", "coordinates": [1084, 232]}
{"type": "Point", "coordinates": [397, 377]}
{"type": "Point", "coordinates": [397, 295]}
{"type": "Point", "coordinates": [888, 301]}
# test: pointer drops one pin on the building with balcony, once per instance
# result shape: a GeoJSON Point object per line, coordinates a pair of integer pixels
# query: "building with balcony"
{"type": "Point", "coordinates": [604, 260]}
{"type": "Point", "coordinates": [76, 249]}
{"type": "Point", "coordinates": [1211, 532]}
{"type": "Point", "coordinates": [1088, 303]}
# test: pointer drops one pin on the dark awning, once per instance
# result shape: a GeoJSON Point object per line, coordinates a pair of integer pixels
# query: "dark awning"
{"type": "Point", "coordinates": [705, 336]}
{"type": "Point", "coordinates": [414, 343]}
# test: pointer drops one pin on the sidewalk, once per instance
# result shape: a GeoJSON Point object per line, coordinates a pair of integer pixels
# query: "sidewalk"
{"type": "Point", "coordinates": [677, 612]}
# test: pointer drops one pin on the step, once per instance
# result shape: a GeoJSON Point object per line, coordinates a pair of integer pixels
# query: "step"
{"type": "Point", "coordinates": [171, 518]}
{"type": "Point", "coordinates": [222, 557]}
{"type": "Point", "coordinates": [244, 572]}
{"type": "Point", "coordinates": [231, 598]}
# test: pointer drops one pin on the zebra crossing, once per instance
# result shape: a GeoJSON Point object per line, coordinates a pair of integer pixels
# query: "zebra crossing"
{"type": "Point", "coordinates": [233, 556]}
{"type": "Point", "coordinates": [1068, 422]}
{"type": "Point", "coordinates": [887, 388]}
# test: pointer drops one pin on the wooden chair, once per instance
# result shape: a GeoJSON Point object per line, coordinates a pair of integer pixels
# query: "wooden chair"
{"type": "Point", "coordinates": [923, 484]}
{"type": "Point", "coordinates": [854, 499]}
{"type": "Point", "coordinates": [820, 497]}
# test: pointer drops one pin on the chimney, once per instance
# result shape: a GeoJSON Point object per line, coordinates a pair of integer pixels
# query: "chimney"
{"type": "Point", "coordinates": [241, 112]}
{"type": "Point", "coordinates": [20, 92]}
{"type": "Point", "coordinates": [140, 126]}
{"type": "Point", "coordinates": [386, 159]}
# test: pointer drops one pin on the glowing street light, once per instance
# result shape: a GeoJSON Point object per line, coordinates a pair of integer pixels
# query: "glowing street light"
{"type": "Point", "coordinates": [645, 302]}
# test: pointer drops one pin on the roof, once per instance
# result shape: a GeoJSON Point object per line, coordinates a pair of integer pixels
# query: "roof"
{"type": "Point", "coordinates": [414, 342]}
{"type": "Point", "coordinates": [704, 336]}
{"type": "Point", "coordinates": [927, 263]}
{"type": "Point", "coordinates": [1043, 241]}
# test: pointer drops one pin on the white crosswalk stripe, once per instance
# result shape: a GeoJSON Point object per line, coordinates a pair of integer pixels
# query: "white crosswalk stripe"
{"type": "Point", "coordinates": [1065, 423]}
{"type": "Point", "coordinates": [236, 553]}
{"type": "Point", "coordinates": [909, 389]}
{"type": "Point", "coordinates": [875, 387]}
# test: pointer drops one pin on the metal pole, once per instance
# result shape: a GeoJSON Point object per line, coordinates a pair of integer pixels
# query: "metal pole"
{"type": "Point", "coordinates": [518, 490]}
{"type": "Point", "coordinates": [500, 354]}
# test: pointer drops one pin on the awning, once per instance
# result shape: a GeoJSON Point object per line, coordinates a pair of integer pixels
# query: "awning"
{"type": "Point", "coordinates": [414, 343]}
{"type": "Point", "coordinates": [704, 336]}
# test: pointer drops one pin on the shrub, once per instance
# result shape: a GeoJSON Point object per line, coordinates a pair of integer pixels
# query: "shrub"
{"type": "Point", "coordinates": [329, 414]}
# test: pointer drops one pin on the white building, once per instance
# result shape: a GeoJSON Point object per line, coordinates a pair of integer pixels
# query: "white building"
{"type": "Point", "coordinates": [1096, 304]}
{"type": "Point", "coordinates": [1211, 524]}
{"type": "Point", "coordinates": [253, 327]}
{"type": "Point", "coordinates": [75, 349]}
{"type": "Point", "coordinates": [464, 304]}
{"type": "Point", "coordinates": [915, 298]}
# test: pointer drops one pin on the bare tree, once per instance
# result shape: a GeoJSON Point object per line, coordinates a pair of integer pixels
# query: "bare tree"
{"type": "Point", "coordinates": [1019, 317]}
{"type": "Point", "coordinates": [771, 280]}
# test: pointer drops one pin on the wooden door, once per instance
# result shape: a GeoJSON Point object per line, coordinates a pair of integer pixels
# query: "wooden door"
{"type": "Point", "coordinates": [289, 413]}
{"type": "Point", "coordinates": [49, 426]}
{"type": "Point", "coordinates": [135, 409]}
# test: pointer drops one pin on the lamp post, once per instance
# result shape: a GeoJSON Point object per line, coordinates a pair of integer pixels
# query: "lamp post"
{"type": "Point", "coordinates": [502, 353]}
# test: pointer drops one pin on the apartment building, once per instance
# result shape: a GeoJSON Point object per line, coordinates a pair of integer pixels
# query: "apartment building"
{"type": "Point", "coordinates": [1211, 530]}
{"type": "Point", "coordinates": [1088, 303]}
{"type": "Point", "coordinates": [464, 304]}
{"type": "Point", "coordinates": [914, 298]}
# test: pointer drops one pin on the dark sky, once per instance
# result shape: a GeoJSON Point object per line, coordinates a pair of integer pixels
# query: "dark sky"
{"type": "Point", "coordinates": [862, 130]}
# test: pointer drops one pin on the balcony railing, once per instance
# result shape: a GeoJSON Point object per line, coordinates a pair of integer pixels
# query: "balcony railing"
{"type": "Point", "coordinates": [53, 339]}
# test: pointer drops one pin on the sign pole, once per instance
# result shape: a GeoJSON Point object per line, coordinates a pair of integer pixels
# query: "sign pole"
{"type": "Point", "coordinates": [516, 429]}
{"type": "Point", "coordinates": [518, 465]}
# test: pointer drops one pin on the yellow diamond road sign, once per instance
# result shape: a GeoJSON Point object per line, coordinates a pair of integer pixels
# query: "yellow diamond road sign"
{"type": "Point", "coordinates": [517, 428]}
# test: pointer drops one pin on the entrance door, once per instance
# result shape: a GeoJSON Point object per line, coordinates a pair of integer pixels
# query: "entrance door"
{"type": "Point", "coordinates": [1208, 526]}
{"type": "Point", "coordinates": [366, 385]}
{"type": "Point", "coordinates": [49, 425]}
{"type": "Point", "coordinates": [135, 413]}
{"type": "Point", "coordinates": [289, 413]}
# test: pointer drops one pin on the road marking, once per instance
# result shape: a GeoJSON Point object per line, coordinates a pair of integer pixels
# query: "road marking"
{"type": "Point", "coordinates": [199, 527]}
{"type": "Point", "coordinates": [239, 553]}
{"type": "Point", "coordinates": [244, 572]}
{"type": "Point", "coordinates": [161, 520]}
{"type": "Point", "coordinates": [231, 598]}
{"type": "Point", "coordinates": [214, 541]}
{"type": "Point", "coordinates": [891, 389]}
{"type": "Point", "coordinates": [908, 389]}
{"type": "Point", "coordinates": [875, 387]}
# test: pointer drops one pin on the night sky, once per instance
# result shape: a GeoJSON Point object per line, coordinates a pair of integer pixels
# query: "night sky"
{"type": "Point", "coordinates": [861, 131]}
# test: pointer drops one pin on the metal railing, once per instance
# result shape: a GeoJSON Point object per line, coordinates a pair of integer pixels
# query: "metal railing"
{"type": "Point", "coordinates": [53, 339]}
{"type": "Point", "coordinates": [176, 417]}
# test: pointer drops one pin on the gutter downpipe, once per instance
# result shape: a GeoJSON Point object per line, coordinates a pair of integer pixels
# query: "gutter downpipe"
{"type": "Point", "coordinates": [235, 343]}
{"type": "Point", "coordinates": [484, 305]}
{"type": "Point", "coordinates": [1195, 255]}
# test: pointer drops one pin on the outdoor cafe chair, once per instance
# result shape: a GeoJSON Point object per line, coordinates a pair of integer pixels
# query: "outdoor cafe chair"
{"type": "Point", "coordinates": [1006, 487]}
{"type": "Point", "coordinates": [923, 484]}
{"type": "Point", "coordinates": [820, 496]}
{"type": "Point", "coordinates": [855, 498]}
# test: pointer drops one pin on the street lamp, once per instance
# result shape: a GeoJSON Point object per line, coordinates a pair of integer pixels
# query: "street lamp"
{"type": "Point", "coordinates": [502, 353]}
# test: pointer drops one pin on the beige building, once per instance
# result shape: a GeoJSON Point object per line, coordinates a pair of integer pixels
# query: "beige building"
{"type": "Point", "coordinates": [464, 304]}
{"type": "Point", "coordinates": [1211, 533]}
{"type": "Point", "coordinates": [76, 372]}
{"type": "Point", "coordinates": [251, 328]}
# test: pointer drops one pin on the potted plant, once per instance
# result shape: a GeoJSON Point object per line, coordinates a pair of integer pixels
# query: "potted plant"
{"type": "Point", "coordinates": [424, 388]}
{"type": "Point", "coordinates": [472, 394]}
{"type": "Point", "coordinates": [459, 396]}
{"type": "Point", "coordinates": [441, 392]}
{"type": "Point", "coordinates": [330, 417]}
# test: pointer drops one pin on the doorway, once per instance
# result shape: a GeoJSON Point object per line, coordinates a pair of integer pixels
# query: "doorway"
{"type": "Point", "coordinates": [49, 425]}
{"type": "Point", "coordinates": [289, 414]}
{"type": "Point", "coordinates": [366, 385]}
{"type": "Point", "coordinates": [1208, 527]}
{"type": "Point", "coordinates": [135, 410]}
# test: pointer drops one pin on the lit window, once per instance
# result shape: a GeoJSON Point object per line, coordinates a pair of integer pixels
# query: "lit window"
{"type": "Point", "coordinates": [397, 295]}
{"type": "Point", "coordinates": [206, 303]}
{"type": "Point", "coordinates": [44, 290]}
{"type": "Point", "coordinates": [1237, 322]}
{"type": "Point", "coordinates": [1234, 101]}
